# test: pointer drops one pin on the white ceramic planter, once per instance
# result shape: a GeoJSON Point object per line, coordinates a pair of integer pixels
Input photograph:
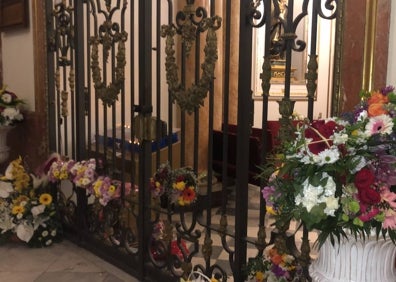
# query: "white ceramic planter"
{"type": "Point", "coordinates": [355, 261]}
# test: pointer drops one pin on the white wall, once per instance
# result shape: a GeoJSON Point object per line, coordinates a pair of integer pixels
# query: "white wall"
{"type": "Point", "coordinates": [391, 77]}
{"type": "Point", "coordinates": [18, 64]}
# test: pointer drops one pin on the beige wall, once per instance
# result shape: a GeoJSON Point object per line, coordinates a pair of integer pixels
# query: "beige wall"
{"type": "Point", "coordinates": [18, 67]}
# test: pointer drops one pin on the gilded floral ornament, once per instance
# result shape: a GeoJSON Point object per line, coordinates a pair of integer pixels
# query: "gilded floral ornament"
{"type": "Point", "coordinates": [191, 98]}
{"type": "Point", "coordinates": [108, 93]}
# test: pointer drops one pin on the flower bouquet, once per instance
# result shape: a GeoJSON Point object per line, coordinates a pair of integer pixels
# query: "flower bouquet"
{"type": "Point", "coordinates": [338, 175]}
{"type": "Point", "coordinates": [9, 108]}
{"type": "Point", "coordinates": [159, 247]}
{"type": "Point", "coordinates": [27, 210]}
{"type": "Point", "coordinates": [84, 174]}
{"type": "Point", "coordinates": [178, 186]}
{"type": "Point", "coordinates": [273, 266]}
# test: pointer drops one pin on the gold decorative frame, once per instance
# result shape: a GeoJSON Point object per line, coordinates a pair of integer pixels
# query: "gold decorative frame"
{"type": "Point", "coordinates": [298, 90]}
{"type": "Point", "coordinates": [14, 13]}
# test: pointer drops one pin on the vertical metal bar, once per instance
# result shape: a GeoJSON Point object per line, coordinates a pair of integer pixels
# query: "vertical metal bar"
{"type": "Point", "coordinates": [336, 101]}
{"type": "Point", "coordinates": [312, 65]}
{"type": "Point", "coordinates": [170, 104]}
{"type": "Point", "coordinates": [113, 124]}
{"type": "Point", "coordinates": [183, 114]}
{"type": "Point", "coordinates": [289, 42]}
{"type": "Point", "coordinates": [123, 118]}
{"type": "Point", "coordinates": [72, 99]}
{"type": "Point", "coordinates": [243, 132]}
{"type": "Point", "coordinates": [196, 112]}
{"type": "Point", "coordinates": [80, 124]}
{"type": "Point", "coordinates": [227, 54]}
{"type": "Point", "coordinates": [80, 75]}
{"type": "Point", "coordinates": [210, 143]}
{"type": "Point", "coordinates": [266, 77]}
{"type": "Point", "coordinates": [133, 169]}
{"type": "Point", "coordinates": [88, 92]}
{"type": "Point", "coordinates": [51, 82]}
{"type": "Point", "coordinates": [158, 84]}
{"type": "Point", "coordinates": [145, 101]}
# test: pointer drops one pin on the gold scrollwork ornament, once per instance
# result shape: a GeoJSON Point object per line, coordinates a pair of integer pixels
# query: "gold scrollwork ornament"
{"type": "Point", "coordinates": [108, 93]}
{"type": "Point", "coordinates": [191, 98]}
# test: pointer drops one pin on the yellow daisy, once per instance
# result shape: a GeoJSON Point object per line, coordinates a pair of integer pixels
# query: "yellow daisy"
{"type": "Point", "coordinates": [112, 189]}
{"type": "Point", "coordinates": [17, 209]}
{"type": "Point", "coordinates": [45, 199]}
{"type": "Point", "coordinates": [180, 185]}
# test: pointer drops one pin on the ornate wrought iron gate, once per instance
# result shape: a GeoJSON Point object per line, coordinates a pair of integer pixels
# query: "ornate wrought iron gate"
{"type": "Point", "coordinates": [116, 95]}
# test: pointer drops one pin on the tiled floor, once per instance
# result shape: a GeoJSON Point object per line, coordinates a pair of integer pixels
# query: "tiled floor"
{"type": "Point", "coordinates": [63, 262]}
{"type": "Point", "coordinates": [66, 262]}
{"type": "Point", "coordinates": [219, 255]}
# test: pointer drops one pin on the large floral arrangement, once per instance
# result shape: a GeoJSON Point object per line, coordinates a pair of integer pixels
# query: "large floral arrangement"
{"type": "Point", "coordinates": [9, 108]}
{"type": "Point", "coordinates": [179, 186]}
{"type": "Point", "coordinates": [84, 174]}
{"type": "Point", "coordinates": [338, 175]}
{"type": "Point", "coordinates": [27, 209]}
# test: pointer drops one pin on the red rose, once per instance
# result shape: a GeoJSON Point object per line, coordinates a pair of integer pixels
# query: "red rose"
{"type": "Point", "coordinates": [320, 130]}
{"type": "Point", "coordinates": [316, 148]}
{"type": "Point", "coordinates": [368, 213]}
{"type": "Point", "coordinates": [310, 133]}
{"type": "Point", "coordinates": [342, 149]}
{"type": "Point", "coordinates": [364, 178]}
{"type": "Point", "coordinates": [369, 196]}
{"type": "Point", "coordinates": [327, 129]}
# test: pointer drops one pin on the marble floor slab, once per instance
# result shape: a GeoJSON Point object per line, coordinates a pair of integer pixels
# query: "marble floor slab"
{"type": "Point", "coordinates": [62, 262]}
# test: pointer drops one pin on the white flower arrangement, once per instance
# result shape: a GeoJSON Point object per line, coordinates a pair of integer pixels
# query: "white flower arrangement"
{"type": "Point", "coordinates": [10, 108]}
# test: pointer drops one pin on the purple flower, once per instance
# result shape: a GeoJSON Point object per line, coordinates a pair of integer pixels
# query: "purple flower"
{"type": "Point", "coordinates": [386, 170]}
{"type": "Point", "coordinates": [268, 193]}
{"type": "Point", "coordinates": [278, 271]}
{"type": "Point", "coordinates": [388, 89]}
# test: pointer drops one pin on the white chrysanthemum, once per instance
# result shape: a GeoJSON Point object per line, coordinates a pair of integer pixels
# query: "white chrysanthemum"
{"type": "Point", "coordinates": [328, 156]}
{"type": "Point", "coordinates": [335, 119]}
{"type": "Point", "coordinates": [362, 115]}
{"type": "Point", "coordinates": [314, 195]}
{"type": "Point", "coordinates": [310, 196]}
{"type": "Point", "coordinates": [381, 124]}
{"type": "Point", "coordinates": [36, 210]}
{"type": "Point", "coordinates": [331, 205]}
{"type": "Point", "coordinates": [12, 114]}
{"type": "Point", "coordinates": [6, 98]}
{"type": "Point", "coordinates": [5, 189]}
{"type": "Point", "coordinates": [342, 122]}
{"type": "Point", "coordinates": [308, 159]}
{"type": "Point", "coordinates": [359, 136]}
{"type": "Point", "coordinates": [330, 185]}
{"type": "Point", "coordinates": [6, 221]}
{"type": "Point", "coordinates": [340, 138]}
{"type": "Point", "coordinates": [360, 161]}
